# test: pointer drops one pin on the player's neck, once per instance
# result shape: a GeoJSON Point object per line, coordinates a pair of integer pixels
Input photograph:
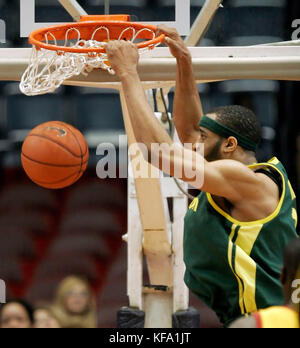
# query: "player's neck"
{"type": "Point", "coordinates": [245, 157]}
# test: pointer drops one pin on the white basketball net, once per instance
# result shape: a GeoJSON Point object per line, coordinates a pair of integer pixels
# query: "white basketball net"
{"type": "Point", "coordinates": [48, 69]}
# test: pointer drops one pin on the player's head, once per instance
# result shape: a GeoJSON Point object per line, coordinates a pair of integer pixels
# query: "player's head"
{"type": "Point", "coordinates": [227, 130]}
{"type": "Point", "coordinates": [291, 271]}
{"type": "Point", "coordinates": [16, 314]}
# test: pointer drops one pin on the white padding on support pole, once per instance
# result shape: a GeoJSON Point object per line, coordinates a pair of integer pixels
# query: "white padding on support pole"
{"type": "Point", "coordinates": [135, 246]}
{"type": "Point", "coordinates": [210, 64]}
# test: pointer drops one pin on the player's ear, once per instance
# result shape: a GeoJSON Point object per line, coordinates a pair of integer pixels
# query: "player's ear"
{"type": "Point", "coordinates": [230, 145]}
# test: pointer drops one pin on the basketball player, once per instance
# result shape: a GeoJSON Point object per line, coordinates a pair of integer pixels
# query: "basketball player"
{"type": "Point", "coordinates": [284, 317]}
{"type": "Point", "coordinates": [237, 229]}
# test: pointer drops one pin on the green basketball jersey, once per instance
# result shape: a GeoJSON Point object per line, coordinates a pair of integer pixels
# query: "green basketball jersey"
{"type": "Point", "coordinates": [235, 267]}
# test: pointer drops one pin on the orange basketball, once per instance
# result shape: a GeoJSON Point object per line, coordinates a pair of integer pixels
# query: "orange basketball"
{"type": "Point", "coordinates": [55, 155]}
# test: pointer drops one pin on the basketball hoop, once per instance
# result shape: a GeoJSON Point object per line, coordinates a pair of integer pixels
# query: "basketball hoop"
{"type": "Point", "coordinates": [63, 51]}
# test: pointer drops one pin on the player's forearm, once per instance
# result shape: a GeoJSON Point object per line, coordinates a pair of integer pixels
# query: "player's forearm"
{"type": "Point", "coordinates": [187, 104]}
{"type": "Point", "coordinates": [146, 127]}
{"type": "Point", "coordinates": [171, 159]}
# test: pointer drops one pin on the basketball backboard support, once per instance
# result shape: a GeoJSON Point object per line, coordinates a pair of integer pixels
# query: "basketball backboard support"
{"type": "Point", "coordinates": [28, 24]}
{"type": "Point", "coordinates": [158, 66]}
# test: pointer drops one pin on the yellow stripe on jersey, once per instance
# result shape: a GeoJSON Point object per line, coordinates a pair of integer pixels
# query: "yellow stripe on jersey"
{"type": "Point", "coordinates": [230, 248]}
{"type": "Point", "coordinates": [233, 228]}
{"type": "Point", "coordinates": [247, 237]}
{"type": "Point", "coordinates": [245, 268]}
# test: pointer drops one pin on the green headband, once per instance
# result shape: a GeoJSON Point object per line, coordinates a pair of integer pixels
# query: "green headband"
{"type": "Point", "coordinates": [227, 132]}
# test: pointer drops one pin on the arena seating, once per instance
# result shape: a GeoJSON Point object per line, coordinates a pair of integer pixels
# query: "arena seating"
{"type": "Point", "coordinates": [269, 20]}
{"type": "Point", "coordinates": [101, 109]}
{"type": "Point", "coordinates": [41, 244]}
{"type": "Point", "coordinates": [11, 270]}
{"type": "Point", "coordinates": [113, 296]}
{"type": "Point", "coordinates": [23, 113]}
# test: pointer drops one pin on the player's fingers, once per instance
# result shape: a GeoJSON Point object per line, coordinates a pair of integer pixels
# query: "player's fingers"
{"type": "Point", "coordinates": [126, 44]}
{"type": "Point", "coordinates": [169, 32]}
{"type": "Point", "coordinates": [171, 43]}
{"type": "Point", "coordinates": [113, 46]}
{"type": "Point", "coordinates": [132, 44]}
{"type": "Point", "coordinates": [110, 47]}
{"type": "Point", "coordinates": [112, 43]}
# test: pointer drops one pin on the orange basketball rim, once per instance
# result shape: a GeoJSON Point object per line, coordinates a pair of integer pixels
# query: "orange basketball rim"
{"type": "Point", "coordinates": [96, 28]}
{"type": "Point", "coordinates": [62, 51]}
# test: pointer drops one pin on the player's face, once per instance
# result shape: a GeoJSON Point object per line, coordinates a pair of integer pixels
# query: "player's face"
{"type": "Point", "coordinates": [14, 316]}
{"type": "Point", "coordinates": [212, 143]}
{"type": "Point", "coordinates": [213, 153]}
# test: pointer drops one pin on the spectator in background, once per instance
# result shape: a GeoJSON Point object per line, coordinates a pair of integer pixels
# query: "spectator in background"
{"type": "Point", "coordinates": [75, 306]}
{"type": "Point", "coordinates": [16, 314]}
{"type": "Point", "coordinates": [45, 318]}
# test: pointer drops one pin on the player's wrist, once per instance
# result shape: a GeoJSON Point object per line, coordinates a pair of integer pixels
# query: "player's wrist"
{"type": "Point", "coordinates": [185, 58]}
{"type": "Point", "coordinates": [128, 73]}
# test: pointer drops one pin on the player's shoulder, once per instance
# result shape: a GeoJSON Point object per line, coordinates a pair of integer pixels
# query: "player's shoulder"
{"type": "Point", "coordinates": [231, 165]}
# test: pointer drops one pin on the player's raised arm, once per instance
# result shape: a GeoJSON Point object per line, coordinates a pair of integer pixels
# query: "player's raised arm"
{"type": "Point", "coordinates": [187, 104]}
{"type": "Point", "coordinates": [123, 57]}
{"type": "Point", "coordinates": [229, 179]}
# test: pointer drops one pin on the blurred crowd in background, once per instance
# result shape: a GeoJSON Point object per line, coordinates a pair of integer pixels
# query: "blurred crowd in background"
{"type": "Point", "coordinates": [74, 307]}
